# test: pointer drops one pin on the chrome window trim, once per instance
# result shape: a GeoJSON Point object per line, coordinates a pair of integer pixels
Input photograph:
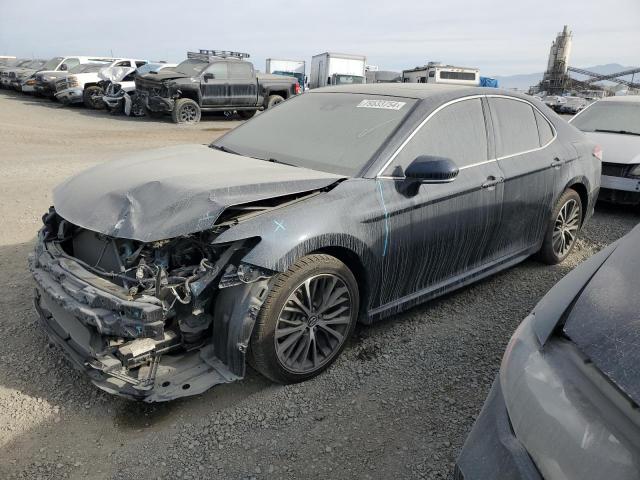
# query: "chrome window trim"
{"type": "Point", "coordinates": [484, 162]}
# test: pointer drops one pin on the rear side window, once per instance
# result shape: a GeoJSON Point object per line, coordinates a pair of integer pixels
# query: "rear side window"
{"type": "Point", "coordinates": [239, 70]}
{"type": "Point", "coordinates": [456, 132]}
{"type": "Point", "coordinates": [515, 124]}
{"type": "Point", "coordinates": [545, 131]}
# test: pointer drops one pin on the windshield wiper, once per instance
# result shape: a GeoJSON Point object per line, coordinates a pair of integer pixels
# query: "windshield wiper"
{"type": "Point", "coordinates": [622, 132]}
{"type": "Point", "coordinates": [275, 160]}
{"type": "Point", "coordinates": [224, 149]}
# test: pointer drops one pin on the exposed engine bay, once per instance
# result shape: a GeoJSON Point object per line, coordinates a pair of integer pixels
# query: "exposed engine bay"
{"type": "Point", "coordinates": [146, 311]}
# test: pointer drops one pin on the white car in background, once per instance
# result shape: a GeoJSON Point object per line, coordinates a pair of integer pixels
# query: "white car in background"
{"type": "Point", "coordinates": [43, 82]}
{"type": "Point", "coordinates": [83, 86]}
{"type": "Point", "coordinates": [614, 124]}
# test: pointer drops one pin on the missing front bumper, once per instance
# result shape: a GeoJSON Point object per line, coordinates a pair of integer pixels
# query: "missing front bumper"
{"type": "Point", "coordinates": [122, 344]}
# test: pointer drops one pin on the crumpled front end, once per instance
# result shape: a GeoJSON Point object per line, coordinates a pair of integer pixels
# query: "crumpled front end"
{"type": "Point", "coordinates": [155, 95]}
{"type": "Point", "coordinates": [148, 321]}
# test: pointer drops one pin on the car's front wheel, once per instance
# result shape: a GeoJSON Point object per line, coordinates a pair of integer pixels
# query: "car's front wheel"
{"type": "Point", "coordinates": [92, 97]}
{"type": "Point", "coordinates": [310, 312]}
{"type": "Point", "coordinates": [185, 111]}
{"type": "Point", "coordinates": [563, 228]}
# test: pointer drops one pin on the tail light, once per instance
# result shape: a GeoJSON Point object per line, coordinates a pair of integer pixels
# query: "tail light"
{"type": "Point", "coordinates": [597, 152]}
{"type": "Point", "coordinates": [297, 88]}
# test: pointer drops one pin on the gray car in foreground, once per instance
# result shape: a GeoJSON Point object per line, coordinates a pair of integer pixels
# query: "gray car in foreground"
{"type": "Point", "coordinates": [566, 402]}
{"type": "Point", "coordinates": [161, 274]}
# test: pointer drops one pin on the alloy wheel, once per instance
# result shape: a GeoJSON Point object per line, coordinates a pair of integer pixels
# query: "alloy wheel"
{"type": "Point", "coordinates": [188, 113]}
{"type": "Point", "coordinates": [313, 324]}
{"type": "Point", "coordinates": [565, 230]}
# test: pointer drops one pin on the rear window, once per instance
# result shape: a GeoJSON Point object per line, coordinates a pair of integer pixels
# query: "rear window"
{"type": "Point", "coordinates": [515, 125]}
{"type": "Point", "coordinates": [613, 117]}
{"type": "Point", "coordinates": [331, 132]}
{"type": "Point", "coordinates": [240, 70]}
{"type": "Point", "coordinates": [545, 131]}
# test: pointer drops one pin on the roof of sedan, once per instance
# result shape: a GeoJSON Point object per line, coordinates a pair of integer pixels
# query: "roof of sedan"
{"type": "Point", "coordinates": [410, 90]}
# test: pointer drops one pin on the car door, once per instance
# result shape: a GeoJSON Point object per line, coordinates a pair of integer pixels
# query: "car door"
{"type": "Point", "coordinates": [530, 164]}
{"type": "Point", "coordinates": [242, 84]}
{"type": "Point", "coordinates": [441, 233]}
{"type": "Point", "coordinates": [215, 91]}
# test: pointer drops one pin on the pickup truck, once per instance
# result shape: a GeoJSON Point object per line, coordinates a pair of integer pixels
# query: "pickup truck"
{"type": "Point", "coordinates": [212, 80]}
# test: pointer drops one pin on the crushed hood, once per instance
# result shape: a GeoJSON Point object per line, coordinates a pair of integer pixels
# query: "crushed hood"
{"type": "Point", "coordinates": [605, 320]}
{"type": "Point", "coordinates": [173, 191]}
{"type": "Point", "coordinates": [616, 147]}
{"type": "Point", "coordinates": [164, 74]}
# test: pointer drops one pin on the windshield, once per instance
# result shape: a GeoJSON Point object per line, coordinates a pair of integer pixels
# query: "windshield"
{"type": "Point", "coordinates": [610, 116]}
{"type": "Point", "coordinates": [191, 67]}
{"type": "Point", "coordinates": [331, 132]}
{"type": "Point", "coordinates": [52, 64]}
{"type": "Point", "coordinates": [149, 67]}
{"type": "Point", "coordinates": [34, 64]}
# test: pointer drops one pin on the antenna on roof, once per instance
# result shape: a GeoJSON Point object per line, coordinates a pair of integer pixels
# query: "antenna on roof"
{"type": "Point", "coordinates": [208, 54]}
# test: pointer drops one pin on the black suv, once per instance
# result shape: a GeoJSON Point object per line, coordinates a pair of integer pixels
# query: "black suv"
{"type": "Point", "coordinates": [212, 80]}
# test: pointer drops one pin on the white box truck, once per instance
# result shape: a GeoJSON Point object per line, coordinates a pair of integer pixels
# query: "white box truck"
{"type": "Point", "coordinates": [288, 68]}
{"type": "Point", "coordinates": [336, 69]}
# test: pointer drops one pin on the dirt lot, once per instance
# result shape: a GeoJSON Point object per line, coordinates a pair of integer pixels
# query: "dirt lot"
{"type": "Point", "coordinates": [398, 404]}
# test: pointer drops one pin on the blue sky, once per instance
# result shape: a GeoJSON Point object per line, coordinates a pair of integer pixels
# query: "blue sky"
{"type": "Point", "coordinates": [500, 37]}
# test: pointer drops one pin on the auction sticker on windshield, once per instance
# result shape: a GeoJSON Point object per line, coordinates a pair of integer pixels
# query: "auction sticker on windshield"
{"type": "Point", "coordinates": [385, 104]}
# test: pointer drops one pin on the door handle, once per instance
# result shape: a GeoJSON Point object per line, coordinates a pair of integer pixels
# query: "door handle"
{"type": "Point", "coordinates": [492, 182]}
{"type": "Point", "coordinates": [557, 163]}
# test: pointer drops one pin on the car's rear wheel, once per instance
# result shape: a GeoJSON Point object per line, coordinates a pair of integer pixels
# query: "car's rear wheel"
{"type": "Point", "coordinates": [563, 228]}
{"type": "Point", "coordinates": [185, 111]}
{"type": "Point", "coordinates": [246, 114]}
{"type": "Point", "coordinates": [310, 312]}
{"type": "Point", "coordinates": [273, 100]}
{"type": "Point", "coordinates": [92, 97]}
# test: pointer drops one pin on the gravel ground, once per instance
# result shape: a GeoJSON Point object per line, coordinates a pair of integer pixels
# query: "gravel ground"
{"type": "Point", "coordinates": [397, 404]}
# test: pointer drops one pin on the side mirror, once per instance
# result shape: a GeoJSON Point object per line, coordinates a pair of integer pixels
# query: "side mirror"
{"type": "Point", "coordinates": [63, 68]}
{"type": "Point", "coordinates": [209, 76]}
{"type": "Point", "coordinates": [430, 169]}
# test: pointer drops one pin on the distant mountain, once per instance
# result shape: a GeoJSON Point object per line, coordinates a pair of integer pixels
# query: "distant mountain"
{"type": "Point", "coordinates": [524, 81]}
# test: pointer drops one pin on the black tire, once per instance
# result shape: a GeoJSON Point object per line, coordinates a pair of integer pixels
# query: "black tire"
{"type": "Point", "coordinates": [185, 111]}
{"type": "Point", "coordinates": [555, 235]}
{"type": "Point", "coordinates": [92, 97]}
{"type": "Point", "coordinates": [273, 100]}
{"type": "Point", "coordinates": [246, 114]}
{"type": "Point", "coordinates": [263, 354]}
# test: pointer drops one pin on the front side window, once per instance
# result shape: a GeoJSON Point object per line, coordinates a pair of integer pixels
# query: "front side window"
{"type": "Point", "coordinates": [515, 125]}
{"type": "Point", "coordinates": [341, 132]}
{"type": "Point", "coordinates": [610, 117]}
{"type": "Point", "coordinates": [457, 132]}
{"type": "Point", "coordinates": [219, 70]}
{"type": "Point", "coordinates": [69, 63]}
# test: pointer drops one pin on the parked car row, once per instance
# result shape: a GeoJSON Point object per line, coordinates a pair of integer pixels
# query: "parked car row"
{"type": "Point", "coordinates": [208, 80]}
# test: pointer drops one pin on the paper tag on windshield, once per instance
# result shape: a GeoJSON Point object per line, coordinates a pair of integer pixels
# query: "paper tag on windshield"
{"type": "Point", "coordinates": [384, 104]}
